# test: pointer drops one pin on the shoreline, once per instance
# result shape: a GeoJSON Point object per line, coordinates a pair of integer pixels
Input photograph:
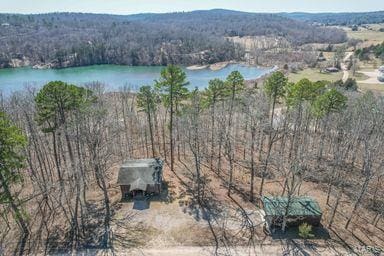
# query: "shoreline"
{"type": "Point", "coordinates": [213, 67]}
{"type": "Point", "coordinates": [197, 67]}
{"type": "Point", "coordinates": [221, 65]}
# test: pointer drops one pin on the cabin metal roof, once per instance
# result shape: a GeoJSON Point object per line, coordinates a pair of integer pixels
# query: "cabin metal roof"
{"type": "Point", "coordinates": [140, 172]}
{"type": "Point", "coordinates": [299, 206]}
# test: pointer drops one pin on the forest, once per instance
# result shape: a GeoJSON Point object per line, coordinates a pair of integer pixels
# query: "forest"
{"type": "Point", "coordinates": [343, 19]}
{"type": "Point", "coordinates": [199, 37]}
{"type": "Point", "coordinates": [60, 143]}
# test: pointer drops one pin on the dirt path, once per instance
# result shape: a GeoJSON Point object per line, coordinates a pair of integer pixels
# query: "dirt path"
{"type": "Point", "coordinates": [344, 66]}
{"type": "Point", "coordinates": [284, 249]}
{"type": "Point", "coordinates": [372, 77]}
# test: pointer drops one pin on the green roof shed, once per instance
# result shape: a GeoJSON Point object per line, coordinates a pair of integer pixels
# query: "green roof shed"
{"type": "Point", "coordinates": [301, 209]}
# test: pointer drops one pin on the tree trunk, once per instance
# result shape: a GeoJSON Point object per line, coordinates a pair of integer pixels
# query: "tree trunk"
{"type": "Point", "coordinates": [17, 214]}
{"type": "Point", "coordinates": [212, 134]}
{"type": "Point", "coordinates": [251, 192]}
{"type": "Point", "coordinates": [171, 127]}
{"type": "Point", "coordinates": [151, 131]}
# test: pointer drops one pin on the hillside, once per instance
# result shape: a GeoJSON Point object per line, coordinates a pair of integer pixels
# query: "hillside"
{"type": "Point", "coordinates": [346, 18]}
{"type": "Point", "coordinates": [199, 37]}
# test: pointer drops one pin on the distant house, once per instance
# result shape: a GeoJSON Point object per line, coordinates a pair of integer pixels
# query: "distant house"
{"type": "Point", "coordinates": [300, 210]}
{"type": "Point", "coordinates": [332, 69]}
{"type": "Point", "coordinates": [321, 58]}
{"type": "Point", "coordinates": [140, 177]}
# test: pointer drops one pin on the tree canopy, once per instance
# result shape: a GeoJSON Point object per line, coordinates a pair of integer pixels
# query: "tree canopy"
{"type": "Point", "coordinates": [303, 90]}
{"type": "Point", "coordinates": [55, 100]}
{"type": "Point", "coordinates": [214, 92]}
{"type": "Point", "coordinates": [147, 98]}
{"type": "Point", "coordinates": [12, 142]}
{"type": "Point", "coordinates": [275, 85]}
{"type": "Point", "coordinates": [172, 85]}
{"type": "Point", "coordinates": [331, 101]}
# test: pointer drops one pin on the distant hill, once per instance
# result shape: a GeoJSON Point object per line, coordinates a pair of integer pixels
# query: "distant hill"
{"type": "Point", "coordinates": [355, 18]}
{"type": "Point", "coordinates": [199, 37]}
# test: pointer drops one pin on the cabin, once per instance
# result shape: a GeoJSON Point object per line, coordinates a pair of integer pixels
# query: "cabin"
{"type": "Point", "coordinates": [321, 58]}
{"type": "Point", "coordinates": [355, 28]}
{"type": "Point", "coordinates": [300, 210]}
{"type": "Point", "coordinates": [140, 177]}
{"type": "Point", "coordinates": [332, 69]}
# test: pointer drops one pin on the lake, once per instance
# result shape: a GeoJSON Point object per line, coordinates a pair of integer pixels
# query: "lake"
{"type": "Point", "coordinates": [114, 76]}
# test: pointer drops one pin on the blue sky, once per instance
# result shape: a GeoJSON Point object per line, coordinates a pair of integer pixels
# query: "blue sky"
{"type": "Point", "coordinates": [160, 6]}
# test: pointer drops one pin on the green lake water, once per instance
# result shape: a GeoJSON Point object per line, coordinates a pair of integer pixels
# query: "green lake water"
{"type": "Point", "coordinates": [113, 76]}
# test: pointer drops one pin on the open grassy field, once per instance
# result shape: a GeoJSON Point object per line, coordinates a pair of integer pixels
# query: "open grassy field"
{"type": "Point", "coordinates": [369, 36]}
{"type": "Point", "coordinates": [314, 75]}
{"type": "Point", "coordinates": [358, 76]}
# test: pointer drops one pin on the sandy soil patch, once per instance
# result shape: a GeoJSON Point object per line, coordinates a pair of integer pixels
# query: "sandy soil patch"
{"type": "Point", "coordinates": [197, 67]}
{"type": "Point", "coordinates": [219, 65]}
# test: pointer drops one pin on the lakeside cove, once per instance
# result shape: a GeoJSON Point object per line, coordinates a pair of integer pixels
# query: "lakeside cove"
{"type": "Point", "coordinates": [116, 76]}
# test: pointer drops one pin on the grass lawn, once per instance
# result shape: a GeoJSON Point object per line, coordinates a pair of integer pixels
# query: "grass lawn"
{"type": "Point", "coordinates": [358, 76]}
{"type": "Point", "coordinates": [372, 37]}
{"type": "Point", "coordinates": [314, 75]}
{"type": "Point", "coordinates": [369, 36]}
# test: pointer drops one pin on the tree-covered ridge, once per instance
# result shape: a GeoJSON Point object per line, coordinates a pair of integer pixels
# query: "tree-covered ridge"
{"type": "Point", "coordinates": [346, 18]}
{"type": "Point", "coordinates": [75, 39]}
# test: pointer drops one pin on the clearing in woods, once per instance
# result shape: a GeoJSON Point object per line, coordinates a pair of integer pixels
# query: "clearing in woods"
{"type": "Point", "coordinates": [369, 34]}
{"type": "Point", "coordinates": [175, 224]}
{"type": "Point", "coordinates": [314, 75]}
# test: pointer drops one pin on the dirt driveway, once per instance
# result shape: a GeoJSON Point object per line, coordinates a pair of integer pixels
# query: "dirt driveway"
{"type": "Point", "coordinates": [344, 66]}
{"type": "Point", "coordinates": [372, 77]}
{"type": "Point", "coordinates": [272, 250]}
{"type": "Point", "coordinates": [171, 224]}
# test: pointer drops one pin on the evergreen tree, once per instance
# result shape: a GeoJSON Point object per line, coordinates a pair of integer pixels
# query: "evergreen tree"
{"type": "Point", "coordinates": [12, 142]}
{"type": "Point", "coordinates": [172, 86]}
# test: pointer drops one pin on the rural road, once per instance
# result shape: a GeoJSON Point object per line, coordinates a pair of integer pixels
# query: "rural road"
{"type": "Point", "coordinates": [344, 66]}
